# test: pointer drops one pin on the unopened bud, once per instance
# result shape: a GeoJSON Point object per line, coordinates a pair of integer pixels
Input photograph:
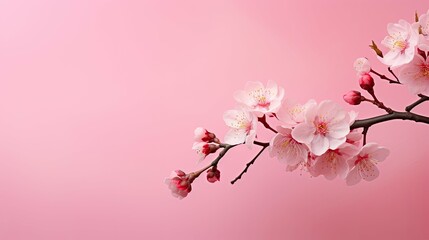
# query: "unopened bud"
{"type": "Point", "coordinates": [213, 175]}
{"type": "Point", "coordinates": [366, 82]}
{"type": "Point", "coordinates": [353, 98]}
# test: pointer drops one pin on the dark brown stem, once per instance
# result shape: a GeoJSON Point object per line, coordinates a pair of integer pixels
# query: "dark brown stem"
{"type": "Point", "coordinates": [422, 99]}
{"type": "Point", "coordinates": [376, 102]}
{"type": "Point", "coordinates": [264, 146]}
{"type": "Point", "coordinates": [381, 76]}
{"type": "Point", "coordinates": [366, 123]}
{"type": "Point", "coordinates": [263, 120]}
{"type": "Point", "coordinates": [394, 75]}
{"type": "Point", "coordinates": [364, 133]}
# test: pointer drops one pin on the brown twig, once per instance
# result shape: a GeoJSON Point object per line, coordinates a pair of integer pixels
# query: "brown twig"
{"type": "Point", "coordinates": [264, 146]}
{"type": "Point", "coordinates": [422, 99]}
{"type": "Point", "coordinates": [263, 120]}
{"type": "Point", "coordinates": [381, 76]}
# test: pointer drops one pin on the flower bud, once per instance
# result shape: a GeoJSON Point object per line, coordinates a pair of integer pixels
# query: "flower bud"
{"type": "Point", "coordinates": [203, 149]}
{"type": "Point", "coordinates": [353, 98]}
{"type": "Point", "coordinates": [213, 175]}
{"type": "Point", "coordinates": [362, 66]}
{"type": "Point", "coordinates": [366, 82]}
{"type": "Point", "coordinates": [202, 135]}
{"type": "Point", "coordinates": [179, 184]}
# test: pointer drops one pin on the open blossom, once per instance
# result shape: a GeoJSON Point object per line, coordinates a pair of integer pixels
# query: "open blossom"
{"type": "Point", "coordinates": [334, 162]}
{"type": "Point", "coordinates": [202, 135]}
{"type": "Point", "coordinates": [242, 125]}
{"type": "Point", "coordinates": [260, 99]}
{"type": "Point", "coordinates": [416, 75]}
{"type": "Point", "coordinates": [203, 149]}
{"type": "Point", "coordinates": [325, 127]}
{"type": "Point", "coordinates": [292, 113]}
{"type": "Point", "coordinates": [362, 65]}
{"type": "Point", "coordinates": [179, 184]}
{"type": "Point", "coordinates": [364, 164]}
{"type": "Point", "coordinates": [286, 149]}
{"type": "Point", "coordinates": [401, 41]}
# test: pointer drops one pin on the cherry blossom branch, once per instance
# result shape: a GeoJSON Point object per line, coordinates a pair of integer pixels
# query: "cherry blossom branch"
{"type": "Point", "coordinates": [264, 146]}
{"type": "Point", "coordinates": [226, 148]}
{"type": "Point", "coordinates": [384, 77]}
{"type": "Point", "coordinates": [376, 102]}
{"type": "Point", "coordinates": [366, 123]}
{"type": "Point", "coordinates": [422, 99]}
{"type": "Point", "coordinates": [263, 120]}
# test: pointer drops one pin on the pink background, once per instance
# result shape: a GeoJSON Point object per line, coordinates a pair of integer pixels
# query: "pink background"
{"type": "Point", "coordinates": [99, 100]}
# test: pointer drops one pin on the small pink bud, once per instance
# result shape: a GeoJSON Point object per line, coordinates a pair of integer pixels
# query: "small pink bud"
{"type": "Point", "coordinates": [353, 98]}
{"type": "Point", "coordinates": [179, 184]}
{"type": "Point", "coordinates": [213, 175]}
{"type": "Point", "coordinates": [366, 82]}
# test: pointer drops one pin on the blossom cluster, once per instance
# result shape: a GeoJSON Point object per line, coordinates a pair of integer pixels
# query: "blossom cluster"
{"type": "Point", "coordinates": [408, 46]}
{"type": "Point", "coordinates": [320, 138]}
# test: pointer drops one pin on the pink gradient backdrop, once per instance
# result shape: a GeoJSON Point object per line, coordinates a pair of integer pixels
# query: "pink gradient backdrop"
{"type": "Point", "coordinates": [99, 100]}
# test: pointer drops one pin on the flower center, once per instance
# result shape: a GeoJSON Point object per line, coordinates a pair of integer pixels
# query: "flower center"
{"type": "Point", "coordinates": [285, 143]}
{"type": "Point", "coordinates": [400, 45]}
{"type": "Point", "coordinates": [262, 102]}
{"type": "Point", "coordinates": [321, 127]}
{"type": "Point", "coordinates": [361, 158]}
{"type": "Point", "coordinates": [424, 71]}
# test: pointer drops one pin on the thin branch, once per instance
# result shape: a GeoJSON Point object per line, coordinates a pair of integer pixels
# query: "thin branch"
{"type": "Point", "coordinates": [214, 163]}
{"type": "Point", "coordinates": [377, 102]}
{"type": "Point", "coordinates": [250, 163]}
{"type": "Point", "coordinates": [397, 79]}
{"type": "Point", "coordinates": [263, 120]}
{"type": "Point", "coordinates": [422, 99]}
{"type": "Point", "coordinates": [385, 78]}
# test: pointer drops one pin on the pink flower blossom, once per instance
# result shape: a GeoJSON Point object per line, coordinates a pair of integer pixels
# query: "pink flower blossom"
{"type": "Point", "coordinates": [203, 149]}
{"type": "Point", "coordinates": [179, 184]}
{"type": "Point", "coordinates": [202, 135]}
{"type": "Point", "coordinates": [363, 165]}
{"type": "Point", "coordinates": [416, 75]}
{"type": "Point", "coordinates": [401, 41]}
{"type": "Point", "coordinates": [325, 127]}
{"type": "Point", "coordinates": [259, 99]}
{"type": "Point", "coordinates": [292, 113]}
{"type": "Point", "coordinates": [213, 175]}
{"type": "Point", "coordinates": [362, 65]}
{"type": "Point", "coordinates": [286, 149]}
{"type": "Point", "coordinates": [242, 125]}
{"type": "Point", "coordinates": [334, 162]}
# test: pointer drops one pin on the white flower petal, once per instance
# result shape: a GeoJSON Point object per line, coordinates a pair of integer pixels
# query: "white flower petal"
{"type": "Point", "coordinates": [319, 145]}
{"type": "Point", "coordinates": [303, 133]}
{"type": "Point", "coordinates": [353, 177]}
